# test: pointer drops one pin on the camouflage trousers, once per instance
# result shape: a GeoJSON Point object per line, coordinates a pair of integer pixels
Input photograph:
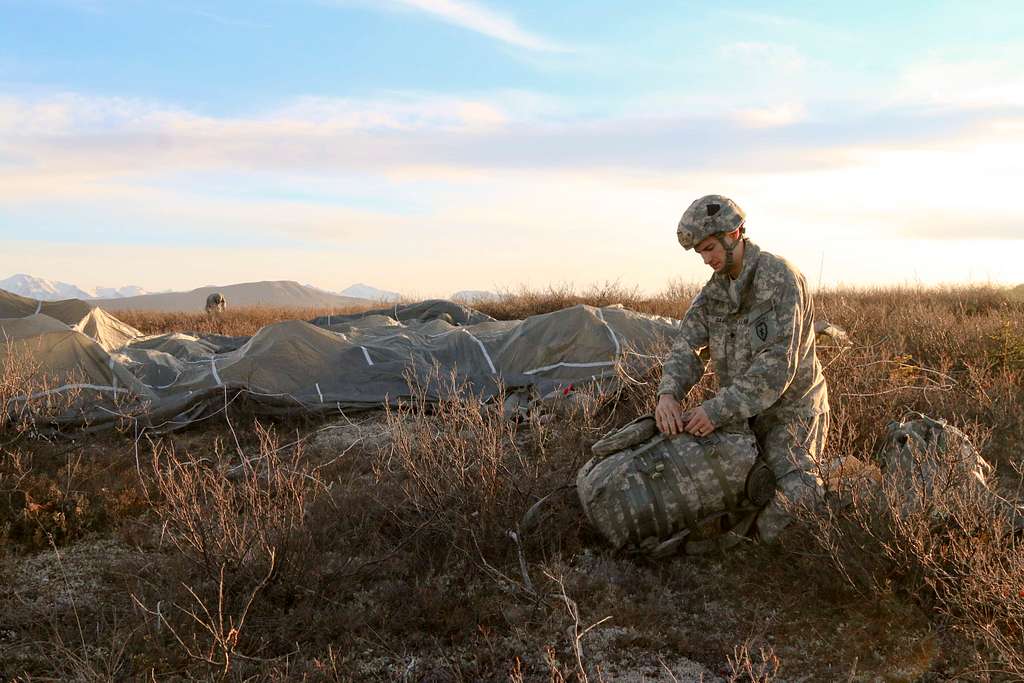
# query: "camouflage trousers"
{"type": "Point", "coordinates": [791, 449]}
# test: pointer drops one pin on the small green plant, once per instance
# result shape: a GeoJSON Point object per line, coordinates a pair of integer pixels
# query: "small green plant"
{"type": "Point", "coordinates": [1007, 351]}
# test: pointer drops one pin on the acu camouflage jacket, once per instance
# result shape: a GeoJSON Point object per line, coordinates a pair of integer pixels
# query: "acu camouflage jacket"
{"type": "Point", "coordinates": [763, 350]}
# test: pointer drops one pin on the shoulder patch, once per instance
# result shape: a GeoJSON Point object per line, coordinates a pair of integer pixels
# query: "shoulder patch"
{"type": "Point", "coordinates": [764, 327]}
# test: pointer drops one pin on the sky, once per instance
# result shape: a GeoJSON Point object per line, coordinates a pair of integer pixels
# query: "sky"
{"type": "Point", "coordinates": [428, 146]}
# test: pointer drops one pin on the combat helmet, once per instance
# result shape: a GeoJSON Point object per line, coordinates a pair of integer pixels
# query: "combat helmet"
{"type": "Point", "coordinates": [711, 216]}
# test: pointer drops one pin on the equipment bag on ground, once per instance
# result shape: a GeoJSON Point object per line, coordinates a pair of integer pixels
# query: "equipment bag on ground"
{"type": "Point", "coordinates": [660, 495]}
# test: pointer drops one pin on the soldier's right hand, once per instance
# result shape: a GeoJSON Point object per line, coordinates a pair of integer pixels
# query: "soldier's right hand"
{"type": "Point", "coordinates": [669, 415]}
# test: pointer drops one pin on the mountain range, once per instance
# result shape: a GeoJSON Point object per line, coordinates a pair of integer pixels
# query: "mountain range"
{"type": "Point", "coordinates": [52, 290]}
{"type": "Point", "coordinates": [276, 293]}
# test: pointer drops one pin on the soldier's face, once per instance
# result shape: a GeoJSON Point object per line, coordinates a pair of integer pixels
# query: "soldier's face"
{"type": "Point", "coordinates": [711, 250]}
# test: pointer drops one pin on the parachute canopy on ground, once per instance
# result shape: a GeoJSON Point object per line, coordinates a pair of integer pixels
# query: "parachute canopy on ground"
{"type": "Point", "coordinates": [336, 363]}
{"type": "Point", "coordinates": [30, 326]}
{"type": "Point", "coordinates": [108, 331]}
{"type": "Point", "coordinates": [63, 377]}
{"type": "Point", "coordinates": [68, 311]}
{"type": "Point", "coordinates": [431, 309]}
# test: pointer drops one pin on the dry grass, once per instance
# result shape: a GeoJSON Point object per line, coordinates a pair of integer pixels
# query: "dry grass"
{"type": "Point", "coordinates": [234, 322]}
{"type": "Point", "coordinates": [515, 305]}
{"type": "Point", "coordinates": [392, 548]}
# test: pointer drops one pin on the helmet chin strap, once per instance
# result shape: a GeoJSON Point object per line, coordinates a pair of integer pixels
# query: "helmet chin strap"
{"type": "Point", "coordinates": [729, 248]}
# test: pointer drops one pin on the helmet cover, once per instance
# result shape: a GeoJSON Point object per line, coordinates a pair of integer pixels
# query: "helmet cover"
{"type": "Point", "coordinates": [710, 215]}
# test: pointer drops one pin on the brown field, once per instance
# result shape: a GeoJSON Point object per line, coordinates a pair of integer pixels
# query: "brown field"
{"type": "Point", "coordinates": [386, 545]}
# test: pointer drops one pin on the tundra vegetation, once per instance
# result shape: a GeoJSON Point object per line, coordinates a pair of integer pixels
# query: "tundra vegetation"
{"type": "Point", "coordinates": [389, 544]}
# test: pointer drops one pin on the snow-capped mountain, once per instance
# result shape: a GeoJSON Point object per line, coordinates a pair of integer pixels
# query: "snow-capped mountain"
{"type": "Point", "coordinates": [472, 296]}
{"type": "Point", "coordinates": [38, 288]}
{"type": "Point", "coordinates": [361, 291]}
{"type": "Point", "coordinates": [119, 292]}
{"type": "Point", "coordinates": [52, 290]}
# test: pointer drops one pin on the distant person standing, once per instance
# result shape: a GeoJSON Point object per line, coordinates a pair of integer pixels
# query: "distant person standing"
{"type": "Point", "coordinates": [216, 303]}
{"type": "Point", "coordinates": [756, 317]}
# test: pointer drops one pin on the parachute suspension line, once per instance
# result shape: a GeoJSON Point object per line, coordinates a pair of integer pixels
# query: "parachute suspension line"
{"type": "Point", "coordinates": [566, 364]}
{"type": "Point", "coordinates": [67, 387]}
{"type": "Point", "coordinates": [39, 307]}
{"type": "Point", "coordinates": [490, 363]}
{"type": "Point", "coordinates": [113, 375]}
{"type": "Point", "coordinates": [216, 375]}
{"type": "Point", "coordinates": [611, 332]}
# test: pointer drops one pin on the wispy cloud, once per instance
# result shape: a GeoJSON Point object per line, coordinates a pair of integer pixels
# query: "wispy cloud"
{"type": "Point", "coordinates": [476, 17]}
{"type": "Point", "coordinates": [784, 58]}
{"type": "Point", "coordinates": [394, 111]}
{"type": "Point", "coordinates": [80, 137]}
{"type": "Point", "coordinates": [217, 18]}
{"type": "Point", "coordinates": [505, 163]}
{"type": "Point", "coordinates": [785, 114]}
{"type": "Point", "coordinates": [782, 22]}
{"type": "Point", "coordinates": [973, 84]}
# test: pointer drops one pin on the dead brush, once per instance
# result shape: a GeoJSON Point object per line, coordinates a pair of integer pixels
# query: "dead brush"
{"type": "Point", "coordinates": [746, 667]}
{"type": "Point", "coordinates": [31, 402]}
{"type": "Point", "coordinates": [463, 475]}
{"type": "Point", "coordinates": [522, 303]}
{"type": "Point", "coordinates": [946, 541]}
{"type": "Point", "coordinates": [28, 393]}
{"type": "Point", "coordinates": [243, 531]}
{"type": "Point", "coordinates": [467, 475]}
{"type": "Point", "coordinates": [16, 372]}
{"type": "Point", "coordinates": [247, 519]}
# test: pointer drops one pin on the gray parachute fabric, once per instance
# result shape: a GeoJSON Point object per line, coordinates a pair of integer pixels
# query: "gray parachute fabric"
{"type": "Point", "coordinates": [29, 326]}
{"type": "Point", "coordinates": [431, 309]}
{"type": "Point", "coordinates": [331, 364]}
{"type": "Point", "coordinates": [68, 311]}
{"type": "Point", "coordinates": [108, 331]}
{"type": "Point", "coordinates": [671, 494]}
{"type": "Point", "coordinates": [65, 378]}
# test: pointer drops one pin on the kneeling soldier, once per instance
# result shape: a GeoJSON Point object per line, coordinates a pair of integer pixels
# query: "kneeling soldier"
{"type": "Point", "coordinates": [756, 317]}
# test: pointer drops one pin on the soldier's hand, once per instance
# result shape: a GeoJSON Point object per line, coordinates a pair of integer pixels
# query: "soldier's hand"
{"type": "Point", "coordinates": [669, 415]}
{"type": "Point", "coordinates": [698, 423]}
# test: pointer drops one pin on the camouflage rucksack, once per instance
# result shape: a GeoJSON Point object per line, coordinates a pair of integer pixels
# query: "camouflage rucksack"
{"type": "Point", "coordinates": [659, 495]}
{"type": "Point", "coordinates": [922, 457]}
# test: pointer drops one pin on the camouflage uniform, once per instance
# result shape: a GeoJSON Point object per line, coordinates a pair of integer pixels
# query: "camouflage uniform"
{"type": "Point", "coordinates": [763, 352]}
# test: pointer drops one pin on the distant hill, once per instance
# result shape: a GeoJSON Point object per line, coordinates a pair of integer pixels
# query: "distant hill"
{"type": "Point", "coordinates": [361, 291]}
{"type": "Point", "coordinates": [472, 296]}
{"type": "Point", "coordinates": [285, 293]}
